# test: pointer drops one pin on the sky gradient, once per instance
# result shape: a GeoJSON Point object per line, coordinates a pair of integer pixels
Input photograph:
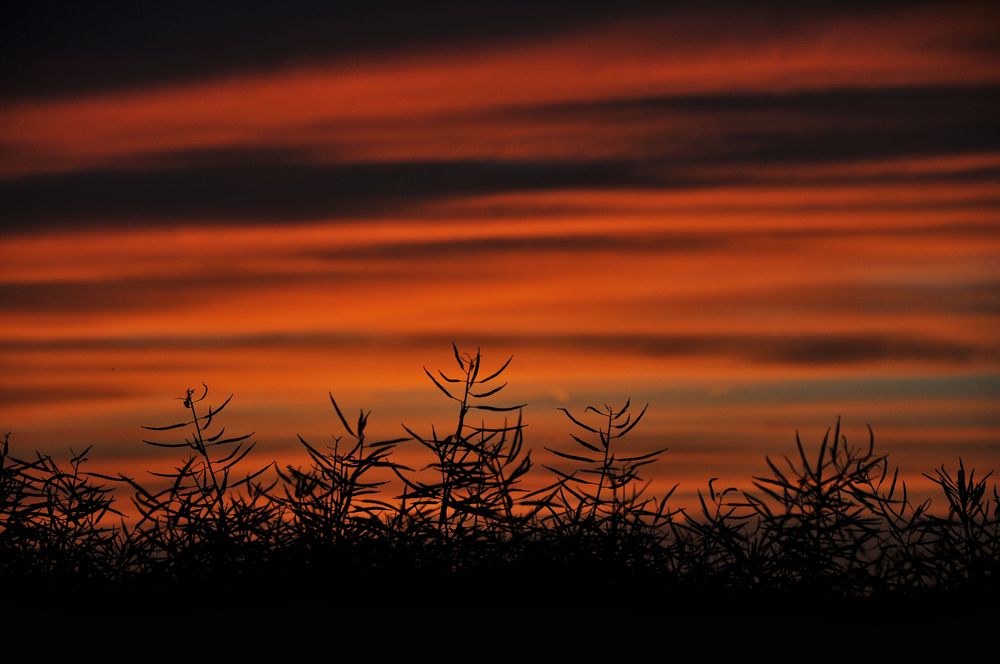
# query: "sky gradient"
{"type": "Point", "coordinates": [755, 221]}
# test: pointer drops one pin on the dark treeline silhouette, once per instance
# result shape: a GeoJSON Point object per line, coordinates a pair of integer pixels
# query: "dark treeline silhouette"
{"type": "Point", "coordinates": [829, 529]}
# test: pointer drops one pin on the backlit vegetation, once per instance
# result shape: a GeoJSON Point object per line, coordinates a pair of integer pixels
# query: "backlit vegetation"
{"type": "Point", "coordinates": [830, 523]}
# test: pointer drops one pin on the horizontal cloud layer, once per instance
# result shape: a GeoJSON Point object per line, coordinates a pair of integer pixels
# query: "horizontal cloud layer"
{"type": "Point", "coordinates": [754, 217]}
{"type": "Point", "coordinates": [810, 349]}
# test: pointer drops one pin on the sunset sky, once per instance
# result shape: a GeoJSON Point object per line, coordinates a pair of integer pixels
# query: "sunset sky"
{"type": "Point", "coordinates": [755, 219]}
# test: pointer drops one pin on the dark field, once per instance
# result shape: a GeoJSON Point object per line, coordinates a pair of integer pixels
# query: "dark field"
{"type": "Point", "coordinates": [827, 531]}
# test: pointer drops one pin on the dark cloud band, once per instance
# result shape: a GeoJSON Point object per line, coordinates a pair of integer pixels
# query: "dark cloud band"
{"type": "Point", "coordinates": [803, 349]}
{"type": "Point", "coordinates": [281, 191]}
{"type": "Point", "coordinates": [61, 48]}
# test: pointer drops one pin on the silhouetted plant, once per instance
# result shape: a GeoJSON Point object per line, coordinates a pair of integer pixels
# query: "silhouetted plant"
{"type": "Point", "coordinates": [816, 516]}
{"type": "Point", "coordinates": [604, 489]}
{"type": "Point", "coordinates": [718, 546]}
{"type": "Point", "coordinates": [966, 541]}
{"type": "Point", "coordinates": [52, 520]}
{"type": "Point", "coordinates": [904, 560]}
{"type": "Point", "coordinates": [18, 504]}
{"type": "Point", "coordinates": [331, 501]}
{"type": "Point", "coordinates": [477, 467]}
{"type": "Point", "coordinates": [597, 516]}
{"type": "Point", "coordinates": [206, 509]}
{"type": "Point", "coordinates": [836, 524]}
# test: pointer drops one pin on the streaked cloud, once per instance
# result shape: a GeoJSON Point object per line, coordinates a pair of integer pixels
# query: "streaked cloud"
{"type": "Point", "coordinates": [755, 218]}
{"type": "Point", "coordinates": [805, 349]}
